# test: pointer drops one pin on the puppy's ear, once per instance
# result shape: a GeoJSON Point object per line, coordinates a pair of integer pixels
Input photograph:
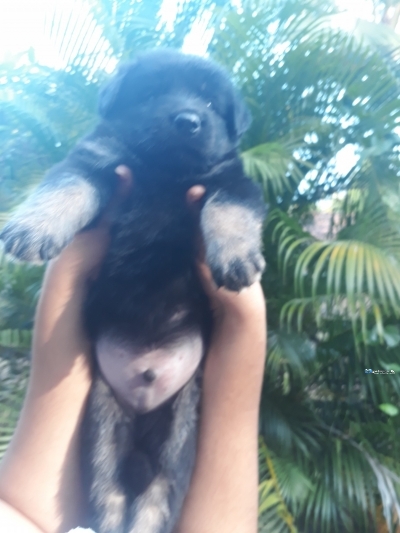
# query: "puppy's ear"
{"type": "Point", "coordinates": [240, 118]}
{"type": "Point", "coordinates": [115, 94]}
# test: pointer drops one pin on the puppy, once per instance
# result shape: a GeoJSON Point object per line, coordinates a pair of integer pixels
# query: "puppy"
{"type": "Point", "coordinates": [176, 121]}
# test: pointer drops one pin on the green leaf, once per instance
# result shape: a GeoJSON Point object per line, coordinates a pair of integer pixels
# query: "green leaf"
{"type": "Point", "coordinates": [392, 336]}
{"type": "Point", "coordinates": [275, 167]}
{"type": "Point", "coordinates": [10, 338]}
{"type": "Point", "coordinates": [391, 366]}
{"type": "Point", "coordinates": [389, 409]}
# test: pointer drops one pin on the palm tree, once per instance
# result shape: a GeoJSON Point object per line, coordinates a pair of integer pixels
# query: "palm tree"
{"type": "Point", "coordinates": [328, 428]}
{"type": "Point", "coordinates": [329, 433]}
{"type": "Point", "coordinates": [19, 288]}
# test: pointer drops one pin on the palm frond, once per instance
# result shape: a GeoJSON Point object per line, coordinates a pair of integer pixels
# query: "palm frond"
{"type": "Point", "coordinates": [290, 236]}
{"type": "Point", "coordinates": [78, 41]}
{"type": "Point", "coordinates": [14, 369]}
{"type": "Point", "coordinates": [8, 421]}
{"type": "Point", "coordinates": [351, 277]}
{"type": "Point", "coordinates": [274, 515]}
{"type": "Point", "coordinates": [288, 423]}
{"type": "Point", "coordinates": [275, 166]}
{"type": "Point", "coordinates": [367, 276]}
{"type": "Point", "coordinates": [293, 483]}
{"type": "Point", "coordinates": [19, 291]}
{"type": "Point", "coordinates": [387, 481]}
{"type": "Point", "coordinates": [289, 355]}
{"type": "Point", "coordinates": [371, 223]}
{"type": "Point", "coordinates": [15, 338]}
{"type": "Point", "coordinates": [297, 70]}
{"type": "Point", "coordinates": [379, 36]}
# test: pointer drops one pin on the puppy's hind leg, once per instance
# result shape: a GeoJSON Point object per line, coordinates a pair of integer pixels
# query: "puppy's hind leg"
{"type": "Point", "coordinates": [106, 442]}
{"type": "Point", "coordinates": [158, 508]}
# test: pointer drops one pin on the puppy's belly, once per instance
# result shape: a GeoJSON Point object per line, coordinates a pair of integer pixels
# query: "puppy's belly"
{"type": "Point", "coordinates": [143, 379]}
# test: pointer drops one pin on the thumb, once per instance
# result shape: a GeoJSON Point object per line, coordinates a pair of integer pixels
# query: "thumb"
{"type": "Point", "coordinates": [124, 186]}
{"type": "Point", "coordinates": [193, 197]}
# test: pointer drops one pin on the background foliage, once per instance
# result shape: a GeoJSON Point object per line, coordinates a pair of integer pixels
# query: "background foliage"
{"type": "Point", "coordinates": [326, 111]}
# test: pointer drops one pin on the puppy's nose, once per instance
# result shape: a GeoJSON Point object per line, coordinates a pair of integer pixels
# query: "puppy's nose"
{"type": "Point", "coordinates": [187, 122]}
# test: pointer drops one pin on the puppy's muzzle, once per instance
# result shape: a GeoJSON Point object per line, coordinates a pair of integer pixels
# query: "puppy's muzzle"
{"type": "Point", "coordinates": [188, 123]}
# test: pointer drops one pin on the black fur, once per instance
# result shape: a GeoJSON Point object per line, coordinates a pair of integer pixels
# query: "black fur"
{"type": "Point", "coordinates": [176, 121]}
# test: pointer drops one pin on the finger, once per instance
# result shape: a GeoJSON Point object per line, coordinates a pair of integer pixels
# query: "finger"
{"type": "Point", "coordinates": [206, 278]}
{"type": "Point", "coordinates": [193, 197]}
{"type": "Point", "coordinates": [195, 194]}
{"type": "Point", "coordinates": [125, 180]}
{"type": "Point", "coordinates": [124, 185]}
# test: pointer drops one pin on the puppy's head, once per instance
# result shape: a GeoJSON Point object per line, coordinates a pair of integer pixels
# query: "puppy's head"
{"type": "Point", "coordinates": [175, 110]}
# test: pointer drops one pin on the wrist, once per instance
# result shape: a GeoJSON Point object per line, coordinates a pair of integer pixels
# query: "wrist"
{"type": "Point", "coordinates": [80, 261]}
{"type": "Point", "coordinates": [238, 348]}
{"type": "Point", "coordinates": [65, 274]}
{"type": "Point", "coordinates": [232, 309]}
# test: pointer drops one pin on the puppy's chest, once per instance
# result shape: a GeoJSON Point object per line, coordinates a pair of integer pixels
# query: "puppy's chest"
{"type": "Point", "coordinates": [154, 218]}
{"type": "Point", "coordinates": [153, 235]}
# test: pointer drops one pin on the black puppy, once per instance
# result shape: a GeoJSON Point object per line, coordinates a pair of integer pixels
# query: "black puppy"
{"type": "Point", "coordinates": [176, 121]}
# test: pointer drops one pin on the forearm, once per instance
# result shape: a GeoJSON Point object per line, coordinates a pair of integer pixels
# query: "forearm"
{"type": "Point", "coordinates": [11, 521]}
{"type": "Point", "coordinates": [39, 475]}
{"type": "Point", "coordinates": [223, 497]}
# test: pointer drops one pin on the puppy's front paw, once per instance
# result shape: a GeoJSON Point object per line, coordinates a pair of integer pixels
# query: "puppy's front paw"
{"type": "Point", "coordinates": [235, 265]}
{"type": "Point", "coordinates": [32, 240]}
{"type": "Point", "coordinates": [49, 219]}
{"type": "Point", "coordinates": [232, 238]}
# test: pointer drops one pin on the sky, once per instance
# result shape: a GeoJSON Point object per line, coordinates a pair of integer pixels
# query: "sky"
{"type": "Point", "coordinates": [22, 24]}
